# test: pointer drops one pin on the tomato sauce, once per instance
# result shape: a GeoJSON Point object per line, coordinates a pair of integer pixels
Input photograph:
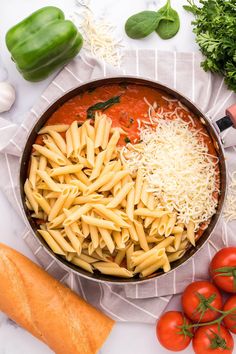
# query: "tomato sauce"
{"type": "Point", "coordinates": [129, 112]}
{"type": "Point", "coordinates": [125, 114]}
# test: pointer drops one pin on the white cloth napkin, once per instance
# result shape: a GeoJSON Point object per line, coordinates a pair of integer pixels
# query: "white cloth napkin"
{"type": "Point", "coordinates": [181, 71]}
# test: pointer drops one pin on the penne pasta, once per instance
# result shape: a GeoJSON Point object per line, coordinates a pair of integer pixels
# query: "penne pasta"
{"type": "Point", "coordinates": [106, 235]}
{"type": "Point", "coordinates": [175, 256]}
{"type": "Point", "coordinates": [51, 155]}
{"type": "Point", "coordinates": [99, 183]}
{"type": "Point", "coordinates": [141, 236]}
{"type": "Point", "coordinates": [60, 128]}
{"type": "Point", "coordinates": [130, 204]}
{"type": "Point", "coordinates": [65, 170]}
{"type": "Point", "coordinates": [82, 264]}
{"type": "Point", "coordinates": [90, 151]}
{"type": "Point", "coordinates": [106, 133]}
{"type": "Point", "coordinates": [120, 256]}
{"type": "Point", "coordinates": [112, 145]}
{"type": "Point", "coordinates": [118, 239]}
{"type": "Point", "coordinates": [129, 252]}
{"type": "Point", "coordinates": [163, 224]}
{"type": "Point", "coordinates": [49, 181]}
{"type": "Point", "coordinates": [51, 242]}
{"type": "Point", "coordinates": [144, 193]}
{"type": "Point", "coordinates": [190, 232]}
{"type": "Point", "coordinates": [99, 132]}
{"type": "Point", "coordinates": [90, 220]}
{"type": "Point", "coordinates": [75, 137]}
{"type": "Point", "coordinates": [57, 207]}
{"type": "Point", "coordinates": [42, 202]}
{"type": "Point", "coordinates": [93, 230]}
{"type": "Point", "coordinates": [117, 178]}
{"type": "Point", "coordinates": [59, 141]}
{"type": "Point", "coordinates": [138, 187]}
{"type": "Point", "coordinates": [30, 196]}
{"type": "Point", "coordinates": [94, 209]}
{"type": "Point", "coordinates": [170, 225]}
{"type": "Point", "coordinates": [124, 235]}
{"type": "Point", "coordinates": [90, 130]}
{"type": "Point", "coordinates": [76, 214]}
{"type": "Point", "coordinates": [98, 165]}
{"type": "Point", "coordinates": [57, 236]}
{"type": "Point", "coordinates": [156, 259]}
{"type": "Point", "coordinates": [58, 221]}
{"type": "Point", "coordinates": [69, 143]}
{"type": "Point", "coordinates": [133, 232]}
{"type": "Point", "coordinates": [152, 213]}
{"type": "Point", "coordinates": [109, 214]}
{"type": "Point", "coordinates": [85, 228]}
{"type": "Point", "coordinates": [115, 271]}
{"type": "Point", "coordinates": [42, 163]}
{"type": "Point", "coordinates": [73, 239]}
{"type": "Point", "coordinates": [120, 195]}
{"type": "Point", "coordinates": [33, 171]}
{"type": "Point", "coordinates": [81, 176]}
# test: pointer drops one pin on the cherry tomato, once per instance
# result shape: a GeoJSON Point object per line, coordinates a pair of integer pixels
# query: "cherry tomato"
{"type": "Point", "coordinates": [169, 333]}
{"type": "Point", "coordinates": [230, 320]}
{"type": "Point", "coordinates": [213, 340]}
{"type": "Point", "coordinates": [223, 269]}
{"type": "Point", "coordinates": [197, 298]}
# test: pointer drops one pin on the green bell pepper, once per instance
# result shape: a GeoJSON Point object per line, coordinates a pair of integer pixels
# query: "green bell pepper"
{"type": "Point", "coordinates": [42, 43]}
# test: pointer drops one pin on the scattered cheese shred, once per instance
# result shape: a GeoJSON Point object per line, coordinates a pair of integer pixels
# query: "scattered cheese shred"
{"type": "Point", "coordinates": [98, 34]}
{"type": "Point", "coordinates": [229, 211]}
{"type": "Point", "coordinates": [178, 168]}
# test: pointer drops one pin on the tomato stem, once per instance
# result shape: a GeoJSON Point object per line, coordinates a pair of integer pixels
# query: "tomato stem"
{"type": "Point", "coordinates": [216, 321]}
{"type": "Point", "coordinates": [226, 272]}
{"type": "Point", "coordinates": [185, 327]}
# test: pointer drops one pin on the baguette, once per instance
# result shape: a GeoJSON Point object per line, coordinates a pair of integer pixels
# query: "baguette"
{"type": "Point", "coordinates": [47, 309]}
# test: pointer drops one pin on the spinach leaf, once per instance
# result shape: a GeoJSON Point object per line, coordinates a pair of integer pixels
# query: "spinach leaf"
{"type": "Point", "coordinates": [169, 26]}
{"type": "Point", "coordinates": [101, 106]}
{"type": "Point", "coordinates": [142, 24]}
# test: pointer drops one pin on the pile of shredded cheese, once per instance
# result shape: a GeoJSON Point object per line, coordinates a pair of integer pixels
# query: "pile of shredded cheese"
{"type": "Point", "coordinates": [98, 34]}
{"type": "Point", "coordinates": [178, 168]}
{"type": "Point", "coordinates": [229, 211]}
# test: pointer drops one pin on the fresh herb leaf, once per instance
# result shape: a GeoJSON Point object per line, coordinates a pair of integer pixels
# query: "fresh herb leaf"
{"type": "Point", "coordinates": [127, 139]}
{"type": "Point", "coordinates": [142, 24]}
{"type": "Point", "coordinates": [214, 27]}
{"type": "Point", "coordinates": [101, 106]}
{"type": "Point", "coordinates": [167, 28]}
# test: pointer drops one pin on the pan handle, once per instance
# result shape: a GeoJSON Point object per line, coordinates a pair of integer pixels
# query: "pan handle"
{"type": "Point", "coordinates": [229, 120]}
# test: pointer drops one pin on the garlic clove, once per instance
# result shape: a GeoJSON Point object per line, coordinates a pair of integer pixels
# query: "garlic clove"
{"type": "Point", "coordinates": [7, 96]}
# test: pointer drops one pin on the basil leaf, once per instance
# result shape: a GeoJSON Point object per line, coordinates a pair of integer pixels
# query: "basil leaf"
{"type": "Point", "coordinates": [101, 106]}
{"type": "Point", "coordinates": [168, 27]}
{"type": "Point", "coordinates": [142, 24]}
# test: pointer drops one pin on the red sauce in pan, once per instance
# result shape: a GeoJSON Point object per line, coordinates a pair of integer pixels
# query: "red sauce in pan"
{"type": "Point", "coordinates": [126, 113]}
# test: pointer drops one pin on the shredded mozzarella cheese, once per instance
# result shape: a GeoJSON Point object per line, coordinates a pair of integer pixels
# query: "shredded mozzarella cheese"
{"type": "Point", "coordinates": [178, 168]}
{"type": "Point", "coordinates": [98, 35]}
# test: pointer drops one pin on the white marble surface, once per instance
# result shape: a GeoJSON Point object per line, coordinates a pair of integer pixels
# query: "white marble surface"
{"type": "Point", "coordinates": [125, 338]}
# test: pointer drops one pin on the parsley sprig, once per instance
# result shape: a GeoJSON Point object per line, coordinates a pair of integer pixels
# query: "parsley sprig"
{"type": "Point", "coordinates": [214, 26]}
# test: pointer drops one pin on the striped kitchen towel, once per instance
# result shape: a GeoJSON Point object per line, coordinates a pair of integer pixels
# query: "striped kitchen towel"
{"type": "Point", "coordinates": [181, 71]}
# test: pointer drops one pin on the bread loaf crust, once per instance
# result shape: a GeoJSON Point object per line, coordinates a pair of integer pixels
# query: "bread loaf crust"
{"type": "Point", "coordinates": [48, 309]}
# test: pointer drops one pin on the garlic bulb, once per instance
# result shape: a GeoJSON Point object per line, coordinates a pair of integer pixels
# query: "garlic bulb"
{"type": "Point", "coordinates": [7, 96]}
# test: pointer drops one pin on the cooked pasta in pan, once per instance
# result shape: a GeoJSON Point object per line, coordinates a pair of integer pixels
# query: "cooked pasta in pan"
{"type": "Point", "coordinates": [122, 209]}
